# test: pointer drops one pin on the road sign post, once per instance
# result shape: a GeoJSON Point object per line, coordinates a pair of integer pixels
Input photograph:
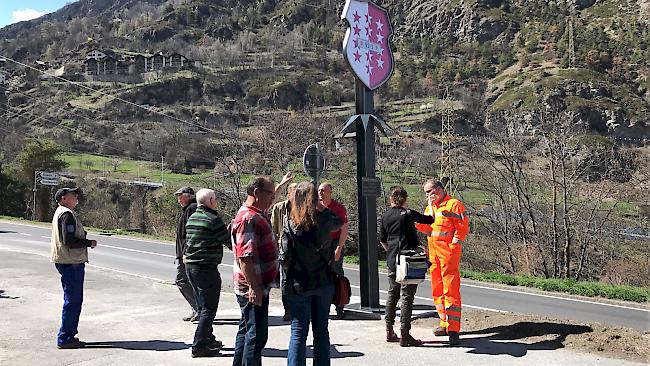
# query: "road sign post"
{"type": "Point", "coordinates": [366, 47]}
{"type": "Point", "coordinates": [45, 179]}
{"type": "Point", "coordinates": [313, 162]}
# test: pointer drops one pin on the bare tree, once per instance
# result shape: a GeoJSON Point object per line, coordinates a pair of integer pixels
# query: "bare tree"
{"type": "Point", "coordinates": [115, 163]}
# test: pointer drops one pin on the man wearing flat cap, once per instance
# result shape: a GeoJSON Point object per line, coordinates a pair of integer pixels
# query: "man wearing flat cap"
{"type": "Point", "coordinates": [69, 255]}
{"type": "Point", "coordinates": [185, 198]}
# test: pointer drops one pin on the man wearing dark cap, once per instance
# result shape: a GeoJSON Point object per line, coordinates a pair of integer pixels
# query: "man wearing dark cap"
{"type": "Point", "coordinates": [185, 198]}
{"type": "Point", "coordinates": [69, 255]}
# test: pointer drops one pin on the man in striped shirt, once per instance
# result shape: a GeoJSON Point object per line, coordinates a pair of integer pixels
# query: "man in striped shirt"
{"type": "Point", "coordinates": [206, 235]}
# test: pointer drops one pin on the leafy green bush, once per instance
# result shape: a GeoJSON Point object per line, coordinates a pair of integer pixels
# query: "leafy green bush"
{"type": "Point", "coordinates": [571, 286]}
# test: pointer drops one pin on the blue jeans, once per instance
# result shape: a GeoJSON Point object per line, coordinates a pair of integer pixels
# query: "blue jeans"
{"type": "Point", "coordinates": [72, 280]}
{"type": "Point", "coordinates": [206, 283]}
{"type": "Point", "coordinates": [314, 306]}
{"type": "Point", "coordinates": [253, 332]}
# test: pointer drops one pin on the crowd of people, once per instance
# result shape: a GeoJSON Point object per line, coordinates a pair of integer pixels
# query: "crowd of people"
{"type": "Point", "coordinates": [296, 245]}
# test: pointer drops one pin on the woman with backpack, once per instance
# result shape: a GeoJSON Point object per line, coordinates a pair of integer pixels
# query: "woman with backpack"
{"type": "Point", "coordinates": [397, 234]}
{"type": "Point", "coordinates": [306, 253]}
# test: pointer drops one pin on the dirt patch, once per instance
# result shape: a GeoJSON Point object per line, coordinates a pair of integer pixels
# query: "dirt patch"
{"type": "Point", "coordinates": [533, 332]}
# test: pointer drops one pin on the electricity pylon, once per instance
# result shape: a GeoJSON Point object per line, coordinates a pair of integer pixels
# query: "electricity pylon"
{"type": "Point", "coordinates": [570, 22]}
{"type": "Point", "coordinates": [447, 137]}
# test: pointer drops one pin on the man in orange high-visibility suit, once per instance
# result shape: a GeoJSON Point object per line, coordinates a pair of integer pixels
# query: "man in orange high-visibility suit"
{"type": "Point", "coordinates": [445, 239]}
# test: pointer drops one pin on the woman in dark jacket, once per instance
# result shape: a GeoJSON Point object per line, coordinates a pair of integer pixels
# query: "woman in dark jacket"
{"type": "Point", "coordinates": [306, 254]}
{"type": "Point", "coordinates": [398, 233]}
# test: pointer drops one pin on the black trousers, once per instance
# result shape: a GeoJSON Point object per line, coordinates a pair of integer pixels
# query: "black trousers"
{"type": "Point", "coordinates": [406, 308]}
{"type": "Point", "coordinates": [206, 282]}
{"type": "Point", "coordinates": [184, 286]}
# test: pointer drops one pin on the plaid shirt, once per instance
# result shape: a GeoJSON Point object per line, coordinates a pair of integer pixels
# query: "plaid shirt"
{"type": "Point", "coordinates": [254, 238]}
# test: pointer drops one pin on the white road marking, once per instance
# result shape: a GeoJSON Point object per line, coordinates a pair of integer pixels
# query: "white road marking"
{"type": "Point", "coordinates": [46, 237]}
{"type": "Point", "coordinates": [136, 250]}
{"type": "Point", "coordinates": [556, 297]}
{"type": "Point", "coordinates": [132, 239]}
{"type": "Point", "coordinates": [28, 225]}
{"type": "Point", "coordinates": [357, 270]}
{"type": "Point", "coordinates": [24, 234]}
{"type": "Point", "coordinates": [431, 300]}
{"type": "Point", "coordinates": [531, 294]}
{"type": "Point", "coordinates": [125, 272]}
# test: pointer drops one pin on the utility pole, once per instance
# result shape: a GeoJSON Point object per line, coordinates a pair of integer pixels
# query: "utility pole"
{"type": "Point", "coordinates": [34, 209]}
{"type": "Point", "coordinates": [162, 169]}
{"type": "Point", "coordinates": [447, 137]}
{"type": "Point", "coordinates": [571, 45]}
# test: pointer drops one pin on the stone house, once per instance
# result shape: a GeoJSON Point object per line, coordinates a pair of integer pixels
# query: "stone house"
{"type": "Point", "coordinates": [107, 62]}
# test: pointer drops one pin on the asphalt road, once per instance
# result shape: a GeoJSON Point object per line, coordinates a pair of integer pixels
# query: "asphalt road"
{"type": "Point", "coordinates": [155, 260]}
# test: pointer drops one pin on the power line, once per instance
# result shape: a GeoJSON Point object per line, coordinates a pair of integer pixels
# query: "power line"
{"type": "Point", "coordinates": [60, 125]}
{"type": "Point", "coordinates": [113, 97]}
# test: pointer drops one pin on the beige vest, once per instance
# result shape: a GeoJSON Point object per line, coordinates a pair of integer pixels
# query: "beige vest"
{"type": "Point", "coordinates": [61, 253]}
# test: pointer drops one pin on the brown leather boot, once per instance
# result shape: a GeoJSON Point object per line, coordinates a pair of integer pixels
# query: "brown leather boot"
{"type": "Point", "coordinates": [440, 331]}
{"type": "Point", "coordinates": [391, 337]}
{"type": "Point", "coordinates": [406, 340]}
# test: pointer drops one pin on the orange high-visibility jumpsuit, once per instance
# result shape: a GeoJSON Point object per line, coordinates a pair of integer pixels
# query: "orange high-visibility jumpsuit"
{"type": "Point", "coordinates": [445, 237]}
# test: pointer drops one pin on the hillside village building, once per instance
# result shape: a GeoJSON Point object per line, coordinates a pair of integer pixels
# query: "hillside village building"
{"type": "Point", "coordinates": [105, 63]}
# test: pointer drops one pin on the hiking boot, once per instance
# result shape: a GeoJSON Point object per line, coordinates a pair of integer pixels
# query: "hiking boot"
{"type": "Point", "coordinates": [205, 352]}
{"type": "Point", "coordinates": [215, 345]}
{"type": "Point", "coordinates": [454, 338]}
{"type": "Point", "coordinates": [73, 344]}
{"type": "Point", "coordinates": [192, 317]}
{"type": "Point", "coordinates": [340, 313]}
{"type": "Point", "coordinates": [406, 340]}
{"type": "Point", "coordinates": [391, 337]}
{"type": "Point", "coordinates": [440, 331]}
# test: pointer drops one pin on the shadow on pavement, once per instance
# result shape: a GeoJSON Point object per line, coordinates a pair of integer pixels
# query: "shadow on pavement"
{"type": "Point", "coordinates": [7, 232]}
{"type": "Point", "coordinates": [275, 321]}
{"type": "Point", "coordinates": [3, 296]}
{"type": "Point", "coordinates": [334, 353]}
{"type": "Point", "coordinates": [423, 307]}
{"type": "Point", "coordinates": [493, 343]}
{"type": "Point", "coordinates": [223, 322]}
{"type": "Point", "coordinates": [152, 345]}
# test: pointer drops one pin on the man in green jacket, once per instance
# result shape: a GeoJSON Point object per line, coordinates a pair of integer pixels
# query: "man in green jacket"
{"type": "Point", "coordinates": [206, 236]}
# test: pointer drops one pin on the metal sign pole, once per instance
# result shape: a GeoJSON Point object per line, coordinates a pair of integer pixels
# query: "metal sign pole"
{"type": "Point", "coordinates": [365, 135]}
{"type": "Point", "coordinates": [34, 203]}
{"type": "Point", "coordinates": [366, 47]}
{"type": "Point", "coordinates": [318, 166]}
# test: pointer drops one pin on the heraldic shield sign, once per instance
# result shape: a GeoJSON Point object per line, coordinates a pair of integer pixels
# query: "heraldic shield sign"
{"type": "Point", "coordinates": [366, 45]}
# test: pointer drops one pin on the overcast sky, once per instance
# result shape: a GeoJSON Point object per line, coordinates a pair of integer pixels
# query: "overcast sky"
{"type": "Point", "coordinates": [13, 11]}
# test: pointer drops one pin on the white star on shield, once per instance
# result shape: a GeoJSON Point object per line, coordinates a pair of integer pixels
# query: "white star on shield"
{"type": "Point", "coordinates": [380, 63]}
{"type": "Point", "coordinates": [380, 26]}
{"type": "Point", "coordinates": [380, 38]}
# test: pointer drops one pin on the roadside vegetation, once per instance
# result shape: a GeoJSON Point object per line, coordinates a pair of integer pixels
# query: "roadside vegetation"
{"type": "Point", "coordinates": [569, 286]}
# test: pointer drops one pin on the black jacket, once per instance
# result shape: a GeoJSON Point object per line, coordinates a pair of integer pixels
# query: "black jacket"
{"type": "Point", "coordinates": [68, 228]}
{"type": "Point", "coordinates": [398, 231]}
{"type": "Point", "coordinates": [181, 233]}
{"type": "Point", "coordinates": [306, 256]}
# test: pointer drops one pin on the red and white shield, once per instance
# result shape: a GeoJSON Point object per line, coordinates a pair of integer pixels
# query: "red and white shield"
{"type": "Point", "coordinates": [366, 45]}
